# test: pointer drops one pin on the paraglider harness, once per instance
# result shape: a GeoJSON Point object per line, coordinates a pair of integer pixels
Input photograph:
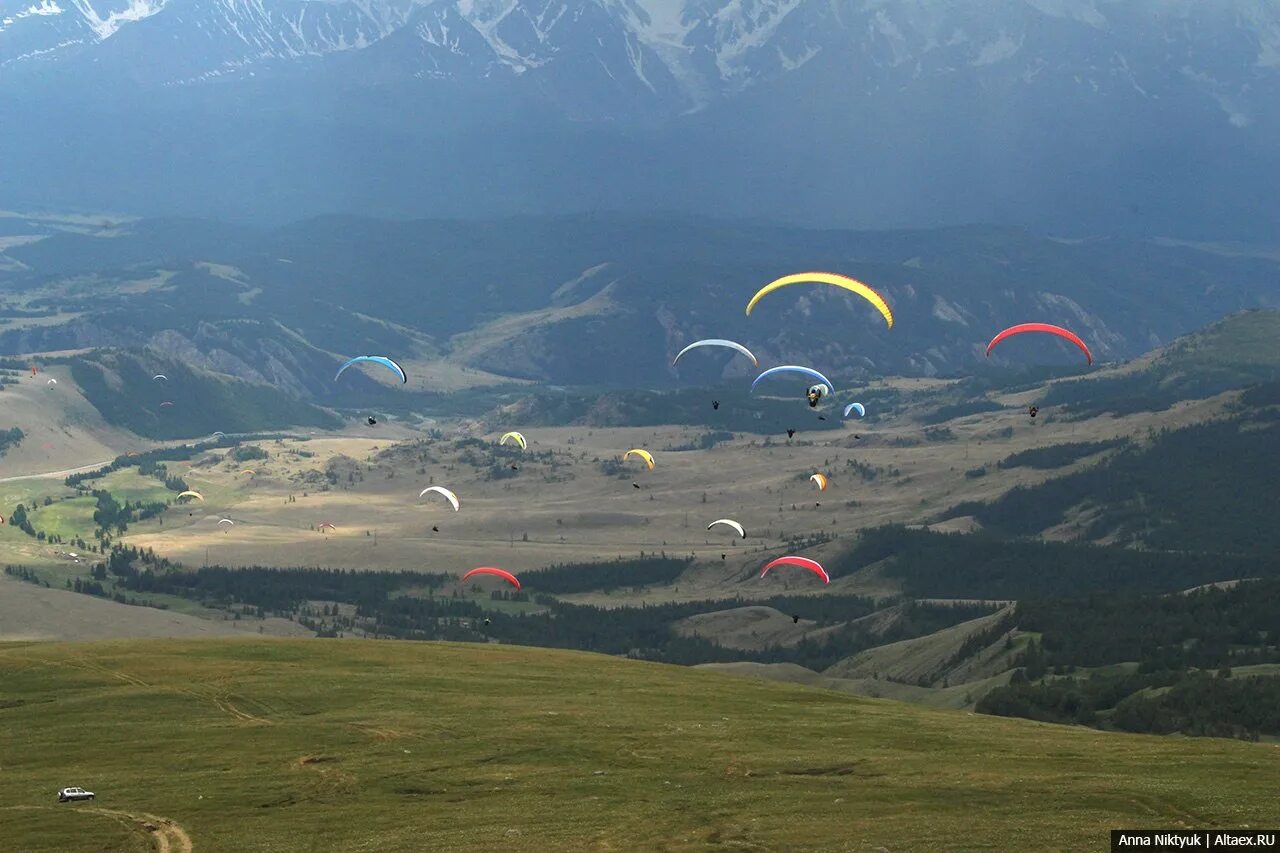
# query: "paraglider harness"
{"type": "Point", "coordinates": [814, 397]}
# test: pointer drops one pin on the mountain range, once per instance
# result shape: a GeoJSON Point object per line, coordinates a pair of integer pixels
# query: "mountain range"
{"type": "Point", "coordinates": [602, 300]}
{"type": "Point", "coordinates": [1075, 116]}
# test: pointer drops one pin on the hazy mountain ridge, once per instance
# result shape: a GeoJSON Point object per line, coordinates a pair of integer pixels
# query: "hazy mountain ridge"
{"type": "Point", "coordinates": [280, 306]}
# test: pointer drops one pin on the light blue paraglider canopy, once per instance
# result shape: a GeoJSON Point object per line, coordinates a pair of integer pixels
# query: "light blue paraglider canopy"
{"type": "Point", "coordinates": [855, 407]}
{"type": "Point", "coordinates": [376, 359]}
{"type": "Point", "coordinates": [792, 368]}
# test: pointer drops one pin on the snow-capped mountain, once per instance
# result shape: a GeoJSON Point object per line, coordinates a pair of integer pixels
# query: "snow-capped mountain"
{"type": "Point", "coordinates": [926, 110]}
{"type": "Point", "coordinates": [688, 52]}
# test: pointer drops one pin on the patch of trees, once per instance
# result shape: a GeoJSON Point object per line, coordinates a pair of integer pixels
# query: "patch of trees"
{"type": "Point", "coordinates": [623, 572]}
{"type": "Point", "coordinates": [1185, 376]}
{"type": "Point", "coordinates": [1172, 642]}
{"type": "Point", "coordinates": [1058, 455]}
{"type": "Point", "coordinates": [960, 410]}
{"type": "Point", "coordinates": [1158, 495]}
{"type": "Point", "coordinates": [19, 519]}
{"type": "Point", "coordinates": [25, 574]}
{"type": "Point", "coordinates": [1206, 629]}
{"type": "Point", "coordinates": [280, 590]}
{"type": "Point", "coordinates": [645, 632]}
{"type": "Point", "coordinates": [10, 438]}
{"type": "Point", "coordinates": [109, 514]}
{"type": "Point", "coordinates": [982, 565]}
{"type": "Point", "coordinates": [1196, 703]}
{"type": "Point", "coordinates": [1082, 701]}
{"type": "Point", "coordinates": [865, 471]}
{"type": "Point", "coordinates": [1208, 705]}
{"type": "Point", "coordinates": [1266, 394]}
{"type": "Point", "coordinates": [150, 462]}
{"type": "Point", "coordinates": [382, 609]}
{"type": "Point", "coordinates": [705, 441]}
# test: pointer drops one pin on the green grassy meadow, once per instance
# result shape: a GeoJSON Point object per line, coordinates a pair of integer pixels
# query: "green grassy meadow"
{"type": "Point", "coordinates": [317, 745]}
{"type": "Point", "coordinates": [68, 519]}
{"type": "Point", "coordinates": [127, 484]}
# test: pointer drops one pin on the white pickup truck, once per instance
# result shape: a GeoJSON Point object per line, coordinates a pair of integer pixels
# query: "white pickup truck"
{"type": "Point", "coordinates": [67, 795]}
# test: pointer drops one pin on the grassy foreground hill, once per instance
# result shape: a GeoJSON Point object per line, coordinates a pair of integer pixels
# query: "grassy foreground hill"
{"type": "Point", "coordinates": [249, 745]}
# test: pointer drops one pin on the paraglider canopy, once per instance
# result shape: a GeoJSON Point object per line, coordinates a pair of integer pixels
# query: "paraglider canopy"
{"type": "Point", "coordinates": [328, 524]}
{"type": "Point", "coordinates": [643, 454]}
{"type": "Point", "coordinates": [516, 438]}
{"type": "Point", "coordinates": [441, 490]}
{"type": "Point", "coordinates": [226, 521]}
{"type": "Point", "coordinates": [376, 359]}
{"type": "Point", "coordinates": [190, 493]}
{"type": "Point", "coordinates": [821, 480]}
{"type": "Point", "coordinates": [796, 369]}
{"type": "Point", "coordinates": [1045, 328]}
{"type": "Point", "coordinates": [498, 573]}
{"type": "Point", "coordinates": [160, 376]}
{"type": "Point", "coordinates": [855, 407]}
{"type": "Point", "coordinates": [717, 342]}
{"type": "Point", "coordinates": [801, 562]}
{"type": "Point", "coordinates": [850, 284]}
{"type": "Point", "coordinates": [729, 522]}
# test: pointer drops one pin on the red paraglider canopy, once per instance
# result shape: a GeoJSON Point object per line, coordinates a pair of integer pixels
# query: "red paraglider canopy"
{"type": "Point", "coordinates": [500, 573]}
{"type": "Point", "coordinates": [1047, 328]}
{"type": "Point", "coordinates": [802, 562]}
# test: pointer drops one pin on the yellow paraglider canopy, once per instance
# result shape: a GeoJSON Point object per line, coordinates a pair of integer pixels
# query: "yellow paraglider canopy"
{"type": "Point", "coordinates": [190, 494]}
{"type": "Point", "coordinates": [821, 480]}
{"type": "Point", "coordinates": [643, 454]}
{"type": "Point", "coordinates": [516, 437]}
{"type": "Point", "coordinates": [844, 281]}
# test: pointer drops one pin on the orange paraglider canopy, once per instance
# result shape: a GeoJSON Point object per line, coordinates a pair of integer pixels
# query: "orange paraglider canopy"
{"type": "Point", "coordinates": [1045, 328]}
{"type": "Point", "coordinates": [802, 562]}
{"type": "Point", "coordinates": [498, 573]}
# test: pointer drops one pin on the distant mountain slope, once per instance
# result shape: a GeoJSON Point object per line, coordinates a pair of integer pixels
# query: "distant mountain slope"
{"type": "Point", "coordinates": [928, 661]}
{"type": "Point", "coordinates": [282, 305]}
{"type": "Point", "coordinates": [1239, 351]}
{"type": "Point", "coordinates": [1206, 487]}
{"type": "Point", "coordinates": [190, 403]}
